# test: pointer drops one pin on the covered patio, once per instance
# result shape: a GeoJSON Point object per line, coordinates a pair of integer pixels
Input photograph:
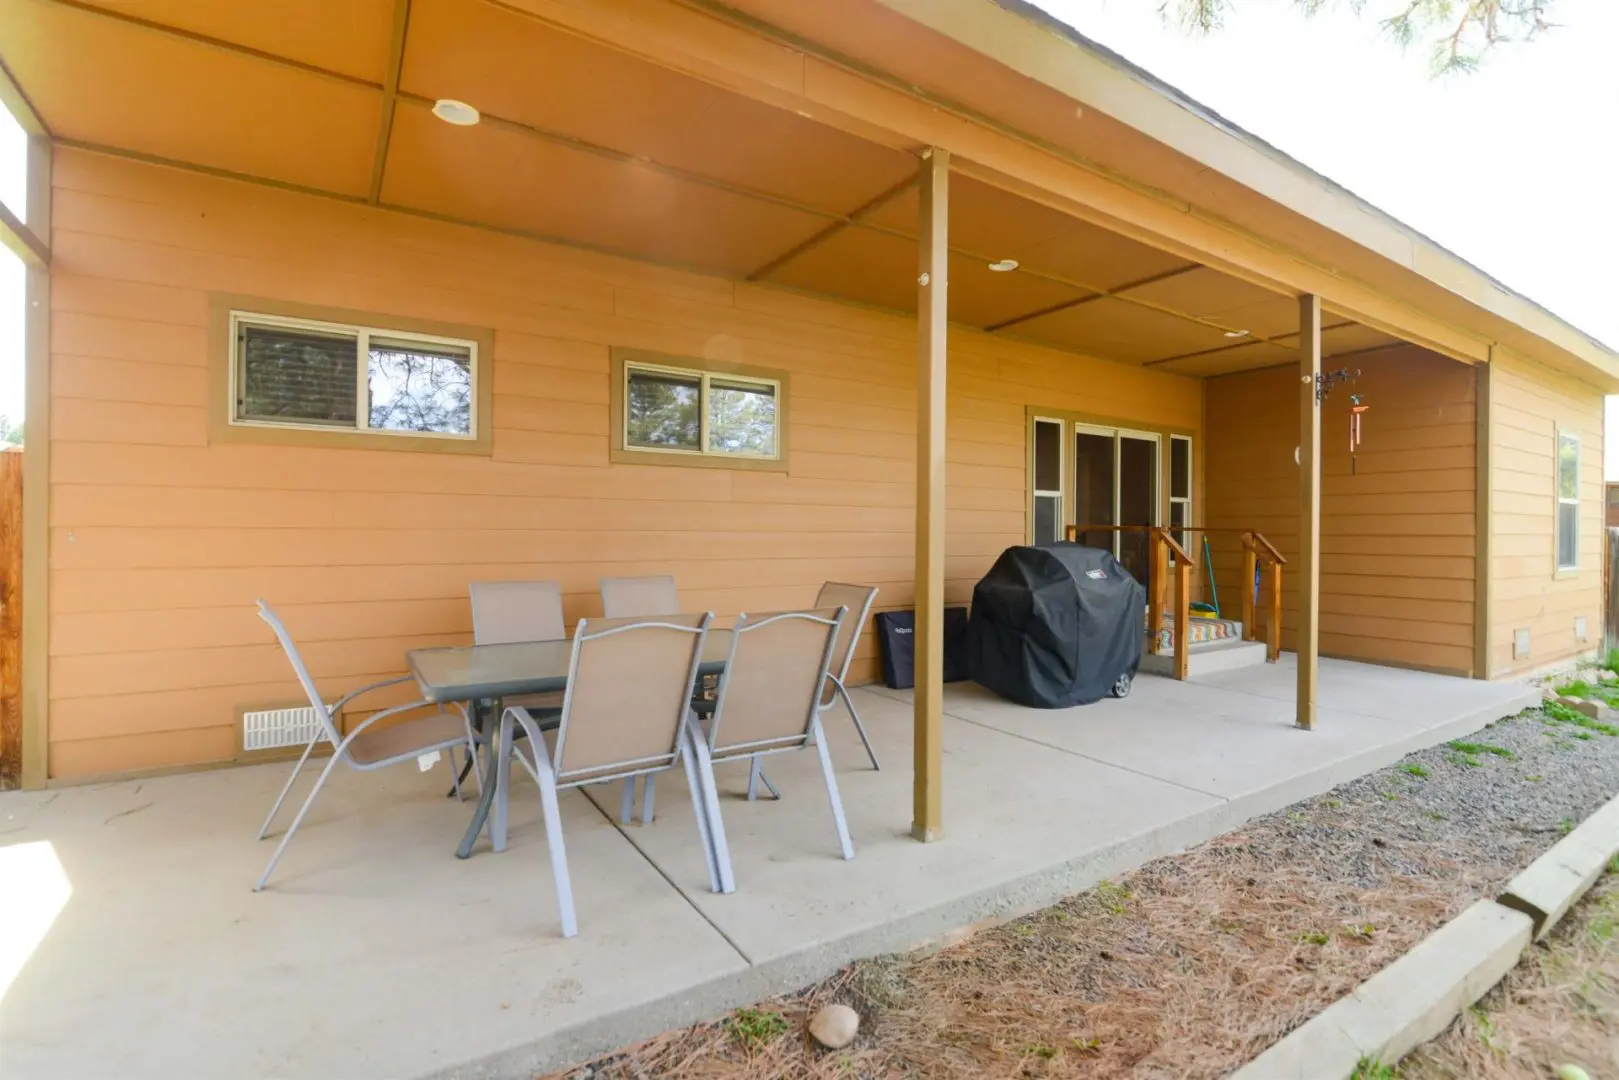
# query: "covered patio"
{"type": "Point", "coordinates": [379, 955]}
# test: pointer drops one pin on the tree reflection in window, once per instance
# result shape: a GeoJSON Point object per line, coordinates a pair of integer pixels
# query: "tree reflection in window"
{"type": "Point", "coordinates": [664, 410]}
{"type": "Point", "coordinates": [419, 388]}
{"type": "Point", "coordinates": [741, 417]}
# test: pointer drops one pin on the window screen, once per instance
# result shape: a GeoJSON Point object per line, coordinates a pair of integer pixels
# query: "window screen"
{"type": "Point", "coordinates": [700, 412]}
{"type": "Point", "coordinates": [1568, 501]}
{"type": "Point", "coordinates": [301, 373]}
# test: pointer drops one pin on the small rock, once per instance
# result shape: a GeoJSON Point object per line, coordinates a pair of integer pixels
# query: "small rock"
{"type": "Point", "coordinates": [1589, 708]}
{"type": "Point", "coordinates": [835, 1026]}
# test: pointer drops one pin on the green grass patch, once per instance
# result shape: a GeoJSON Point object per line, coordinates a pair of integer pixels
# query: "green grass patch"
{"type": "Point", "coordinates": [1367, 1069]}
{"type": "Point", "coordinates": [1465, 760]}
{"type": "Point", "coordinates": [1411, 768]}
{"type": "Point", "coordinates": [753, 1028]}
{"type": "Point", "coordinates": [1480, 748]}
{"type": "Point", "coordinates": [1314, 937]}
{"type": "Point", "coordinates": [1558, 713]}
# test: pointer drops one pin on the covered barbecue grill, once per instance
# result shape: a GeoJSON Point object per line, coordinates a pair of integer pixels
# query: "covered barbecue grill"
{"type": "Point", "coordinates": [1055, 626]}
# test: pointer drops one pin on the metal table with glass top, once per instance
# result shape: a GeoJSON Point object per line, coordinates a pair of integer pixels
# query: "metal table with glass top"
{"type": "Point", "coordinates": [490, 673]}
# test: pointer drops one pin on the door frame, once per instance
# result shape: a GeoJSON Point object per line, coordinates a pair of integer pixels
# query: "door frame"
{"type": "Point", "coordinates": [1069, 419]}
{"type": "Point", "coordinates": [1118, 434]}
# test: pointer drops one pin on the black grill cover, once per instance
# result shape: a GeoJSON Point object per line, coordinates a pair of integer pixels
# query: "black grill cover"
{"type": "Point", "coordinates": [1055, 625]}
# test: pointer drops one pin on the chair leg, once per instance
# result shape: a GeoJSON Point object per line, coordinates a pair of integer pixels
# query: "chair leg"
{"type": "Point", "coordinates": [455, 777]}
{"type": "Point", "coordinates": [832, 792]}
{"type": "Point", "coordinates": [860, 729]}
{"type": "Point", "coordinates": [503, 777]}
{"type": "Point", "coordinates": [708, 791]}
{"type": "Point", "coordinates": [553, 840]}
{"type": "Point", "coordinates": [694, 784]}
{"type": "Point", "coordinates": [297, 821]}
{"type": "Point", "coordinates": [647, 797]}
{"type": "Point", "coordinates": [764, 778]}
{"type": "Point", "coordinates": [754, 769]}
{"type": "Point", "coordinates": [264, 830]}
{"type": "Point", "coordinates": [626, 808]}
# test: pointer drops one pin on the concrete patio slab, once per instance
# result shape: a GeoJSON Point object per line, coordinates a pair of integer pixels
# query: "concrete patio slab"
{"type": "Point", "coordinates": [376, 953]}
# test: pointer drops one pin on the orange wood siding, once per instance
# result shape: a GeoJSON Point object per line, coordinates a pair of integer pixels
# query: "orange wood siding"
{"type": "Point", "coordinates": [1397, 535]}
{"type": "Point", "coordinates": [160, 542]}
{"type": "Point", "coordinates": [1529, 403]}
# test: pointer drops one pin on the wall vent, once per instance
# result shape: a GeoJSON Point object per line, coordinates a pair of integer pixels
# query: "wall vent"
{"type": "Point", "coordinates": [277, 729]}
{"type": "Point", "coordinates": [1581, 633]}
{"type": "Point", "coordinates": [1520, 644]}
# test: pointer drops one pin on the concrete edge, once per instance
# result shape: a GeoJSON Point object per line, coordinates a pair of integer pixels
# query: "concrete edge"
{"type": "Point", "coordinates": [945, 923]}
{"type": "Point", "coordinates": [1405, 1004]}
{"type": "Point", "coordinates": [1416, 997]}
{"type": "Point", "coordinates": [1550, 885]}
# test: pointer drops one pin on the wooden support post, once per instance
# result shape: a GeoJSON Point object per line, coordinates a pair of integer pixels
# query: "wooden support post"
{"type": "Point", "coordinates": [36, 535]}
{"type": "Point", "coordinates": [1273, 629]}
{"type": "Point", "coordinates": [10, 619]}
{"type": "Point", "coordinates": [1156, 594]}
{"type": "Point", "coordinates": [932, 307]}
{"type": "Point", "coordinates": [1183, 618]}
{"type": "Point", "coordinates": [1308, 646]}
{"type": "Point", "coordinates": [1250, 571]}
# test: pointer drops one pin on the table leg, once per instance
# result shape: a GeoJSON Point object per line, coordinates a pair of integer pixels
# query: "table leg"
{"type": "Point", "coordinates": [486, 797]}
{"type": "Point", "coordinates": [466, 768]}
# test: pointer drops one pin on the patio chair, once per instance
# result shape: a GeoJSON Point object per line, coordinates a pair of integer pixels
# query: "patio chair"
{"type": "Point", "coordinates": [361, 749]}
{"type": "Point", "coordinates": [858, 599]}
{"type": "Point", "coordinates": [504, 612]}
{"type": "Point", "coordinates": [612, 727]}
{"type": "Point", "coordinates": [770, 703]}
{"type": "Point", "coordinates": [639, 597]}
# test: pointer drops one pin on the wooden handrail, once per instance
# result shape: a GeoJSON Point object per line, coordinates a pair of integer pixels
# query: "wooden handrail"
{"type": "Point", "coordinates": [1258, 541]}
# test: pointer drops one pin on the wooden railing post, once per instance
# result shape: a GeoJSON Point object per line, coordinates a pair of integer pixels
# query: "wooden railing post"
{"type": "Point", "coordinates": [1250, 570]}
{"type": "Point", "coordinates": [1159, 560]}
{"type": "Point", "coordinates": [1273, 637]}
{"type": "Point", "coordinates": [1183, 618]}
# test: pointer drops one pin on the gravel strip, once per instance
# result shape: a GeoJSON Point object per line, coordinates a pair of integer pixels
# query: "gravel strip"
{"type": "Point", "coordinates": [1192, 964]}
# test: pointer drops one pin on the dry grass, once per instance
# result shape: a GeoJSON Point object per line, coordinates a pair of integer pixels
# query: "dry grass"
{"type": "Point", "coordinates": [1559, 1006]}
{"type": "Point", "coordinates": [1187, 967]}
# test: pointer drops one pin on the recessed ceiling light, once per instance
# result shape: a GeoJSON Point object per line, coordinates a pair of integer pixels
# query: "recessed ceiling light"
{"type": "Point", "coordinates": [1003, 265]}
{"type": "Point", "coordinates": [455, 112]}
{"type": "Point", "coordinates": [1236, 333]}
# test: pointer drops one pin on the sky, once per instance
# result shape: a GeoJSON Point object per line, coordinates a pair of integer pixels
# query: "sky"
{"type": "Point", "coordinates": [1514, 167]}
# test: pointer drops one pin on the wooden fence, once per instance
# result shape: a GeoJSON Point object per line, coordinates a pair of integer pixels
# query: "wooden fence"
{"type": "Point", "coordinates": [1610, 582]}
{"type": "Point", "coordinates": [10, 618]}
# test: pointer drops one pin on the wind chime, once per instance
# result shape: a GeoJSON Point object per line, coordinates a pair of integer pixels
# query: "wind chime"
{"type": "Point", "coordinates": [1357, 408]}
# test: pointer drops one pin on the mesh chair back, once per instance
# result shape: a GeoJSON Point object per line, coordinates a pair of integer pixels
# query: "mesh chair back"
{"type": "Point", "coordinates": [772, 686]}
{"type": "Point", "coordinates": [268, 615]}
{"type": "Point", "coordinates": [509, 611]}
{"type": "Point", "coordinates": [624, 597]}
{"type": "Point", "coordinates": [858, 599]}
{"type": "Point", "coordinates": [629, 688]}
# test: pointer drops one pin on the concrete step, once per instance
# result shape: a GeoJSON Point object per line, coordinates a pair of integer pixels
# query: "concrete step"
{"type": "Point", "coordinates": [1208, 658]}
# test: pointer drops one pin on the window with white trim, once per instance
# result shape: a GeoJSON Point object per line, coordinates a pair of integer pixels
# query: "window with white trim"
{"type": "Point", "coordinates": [1047, 453]}
{"type": "Point", "coordinates": [304, 373]}
{"type": "Point", "coordinates": [1568, 501]}
{"type": "Point", "coordinates": [1180, 488]}
{"type": "Point", "coordinates": [673, 410]}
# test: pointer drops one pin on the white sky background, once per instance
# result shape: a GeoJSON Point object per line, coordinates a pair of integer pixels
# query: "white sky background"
{"type": "Point", "coordinates": [1515, 167]}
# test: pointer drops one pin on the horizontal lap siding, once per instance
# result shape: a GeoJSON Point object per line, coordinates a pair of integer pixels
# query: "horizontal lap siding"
{"type": "Point", "coordinates": [160, 542]}
{"type": "Point", "coordinates": [1397, 534]}
{"type": "Point", "coordinates": [1529, 403]}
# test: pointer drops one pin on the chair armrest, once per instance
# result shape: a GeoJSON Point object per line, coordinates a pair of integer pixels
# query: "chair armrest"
{"type": "Point", "coordinates": [352, 694]}
{"type": "Point", "coordinates": [393, 711]}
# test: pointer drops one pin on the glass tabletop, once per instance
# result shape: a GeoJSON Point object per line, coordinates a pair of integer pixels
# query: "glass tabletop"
{"type": "Point", "coordinates": [468, 672]}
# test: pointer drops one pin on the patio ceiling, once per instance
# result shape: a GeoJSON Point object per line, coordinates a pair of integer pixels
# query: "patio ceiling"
{"type": "Point", "coordinates": [586, 145]}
